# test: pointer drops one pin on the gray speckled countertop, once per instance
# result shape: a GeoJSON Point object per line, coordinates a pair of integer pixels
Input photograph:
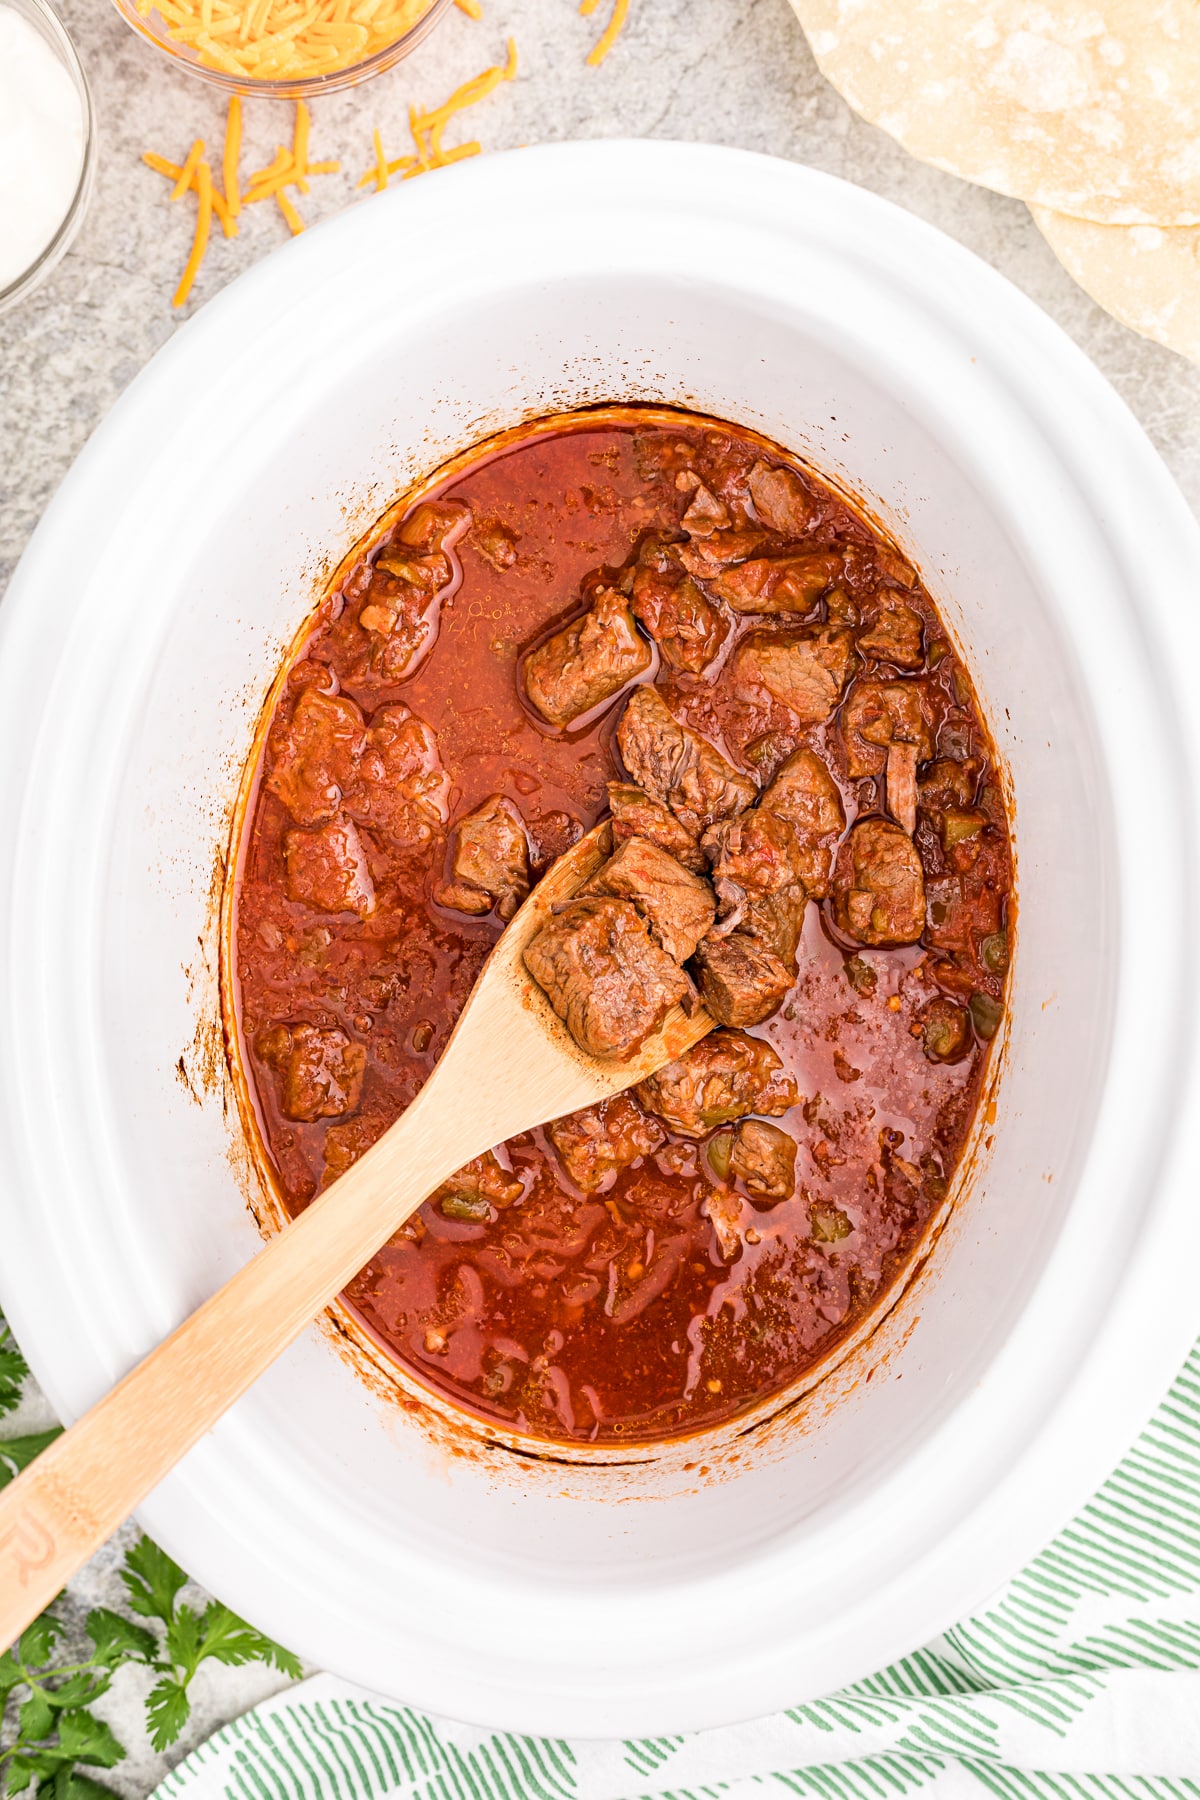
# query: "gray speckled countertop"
{"type": "Point", "coordinates": [725, 71]}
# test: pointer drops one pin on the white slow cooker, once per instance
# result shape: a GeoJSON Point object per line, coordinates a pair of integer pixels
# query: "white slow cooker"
{"type": "Point", "coordinates": [717, 1579]}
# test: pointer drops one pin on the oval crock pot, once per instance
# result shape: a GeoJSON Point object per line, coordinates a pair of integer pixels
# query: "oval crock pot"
{"type": "Point", "coordinates": [712, 1581]}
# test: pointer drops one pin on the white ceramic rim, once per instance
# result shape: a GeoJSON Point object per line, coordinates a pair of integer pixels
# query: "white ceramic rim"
{"type": "Point", "coordinates": [1095, 1406]}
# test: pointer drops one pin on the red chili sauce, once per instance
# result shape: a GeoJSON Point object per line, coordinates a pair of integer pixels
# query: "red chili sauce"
{"type": "Point", "coordinates": [659, 1291]}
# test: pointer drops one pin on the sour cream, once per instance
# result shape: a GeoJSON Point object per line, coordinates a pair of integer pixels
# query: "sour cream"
{"type": "Point", "coordinates": [42, 143]}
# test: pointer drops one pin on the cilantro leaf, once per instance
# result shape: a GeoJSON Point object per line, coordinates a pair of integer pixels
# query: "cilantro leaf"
{"type": "Point", "coordinates": [184, 1650]}
{"type": "Point", "coordinates": [38, 1640]}
{"type": "Point", "coordinates": [57, 1733]}
{"type": "Point", "coordinates": [79, 1689]}
{"type": "Point", "coordinates": [11, 1675]}
{"type": "Point", "coordinates": [84, 1738]}
{"type": "Point", "coordinates": [69, 1784]}
{"type": "Point", "coordinates": [13, 1369]}
{"type": "Point", "coordinates": [36, 1717]}
{"type": "Point", "coordinates": [118, 1640]}
{"type": "Point", "coordinates": [153, 1581]}
{"type": "Point", "coordinates": [167, 1710]}
{"type": "Point", "coordinates": [228, 1639]}
{"type": "Point", "coordinates": [17, 1453]}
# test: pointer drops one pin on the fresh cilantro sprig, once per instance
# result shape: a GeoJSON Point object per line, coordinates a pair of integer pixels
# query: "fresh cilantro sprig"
{"type": "Point", "coordinates": [190, 1638]}
{"type": "Point", "coordinates": [16, 1453]}
{"type": "Point", "coordinates": [57, 1734]}
{"type": "Point", "coordinates": [52, 1733]}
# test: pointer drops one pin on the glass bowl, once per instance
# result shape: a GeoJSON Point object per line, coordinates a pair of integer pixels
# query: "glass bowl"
{"type": "Point", "coordinates": [48, 24]}
{"type": "Point", "coordinates": [155, 31]}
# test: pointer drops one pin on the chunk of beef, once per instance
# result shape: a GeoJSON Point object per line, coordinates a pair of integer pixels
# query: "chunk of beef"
{"type": "Point", "coordinates": [327, 868]}
{"type": "Point", "coordinates": [472, 1191]}
{"type": "Point", "coordinates": [902, 785]}
{"type": "Point", "coordinates": [758, 858]}
{"type": "Point", "coordinates": [804, 670]}
{"type": "Point", "coordinates": [966, 906]}
{"type": "Point", "coordinates": [677, 905]}
{"type": "Point", "coordinates": [429, 573]}
{"type": "Point", "coordinates": [805, 794]}
{"type": "Point", "coordinates": [635, 814]}
{"type": "Point", "coordinates": [677, 767]}
{"type": "Point", "coordinates": [345, 1143]}
{"type": "Point", "coordinates": [314, 756]}
{"type": "Point", "coordinates": [783, 501]}
{"type": "Point", "coordinates": [604, 975]}
{"type": "Point", "coordinates": [878, 885]}
{"type": "Point", "coordinates": [322, 1070]}
{"type": "Point", "coordinates": [948, 786]}
{"type": "Point", "coordinates": [879, 713]}
{"type": "Point", "coordinates": [706, 557]}
{"type": "Point", "coordinates": [722, 1208]}
{"type": "Point", "coordinates": [894, 635]}
{"type": "Point", "coordinates": [776, 921]}
{"type": "Point", "coordinates": [551, 836]}
{"type": "Point", "coordinates": [400, 620]}
{"type": "Point", "coordinates": [411, 569]}
{"type": "Point", "coordinates": [434, 525]}
{"type": "Point", "coordinates": [401, 789]}
{"type": "Point", "coordinates": [496, 543]}
{"type": "Point", "coordinates": [764, 1158]}
{"type": "Point", "coordinates": [596, 1144]}
{"type": "Point", "coordinates": [778, 584]}
{"type": "Point", "coordinates": [687, 627]}
{"type": "Point", "coordinates": [490, 861]}
{"type": "Point", "coordinates": [758, 851]}
{"type": "Point", "coordinates": [726, 1076]}
{"type": "Point", "coordinates": [742, 980]}
{"type": "Point", "coordinates": [705, 514]}
{"type": "Point", "coordinates": [587, 662]}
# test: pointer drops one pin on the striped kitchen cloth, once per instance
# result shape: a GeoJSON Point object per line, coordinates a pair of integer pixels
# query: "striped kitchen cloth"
{"type": "Point", "coordinates": [1081, 1679]}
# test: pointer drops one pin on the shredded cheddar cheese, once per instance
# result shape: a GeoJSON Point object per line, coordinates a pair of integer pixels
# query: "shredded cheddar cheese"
{"type": "Point", "coordinates": [200, 241]}
{"type": "Point", "coordinates": [232, 156]}
{"type": "Point", "coordinates": [173, 171]}
{"type": "Point", "coordinates": [611, 32]}
{"type": "Point", "coordinates": [291, 168]}
{"type": "Point", "coordinates": [472, 8]}
{"type": "Point", "coordinates": [285, 40]}
{"type": "Point", "coordinates": [427, 129]}
{"type": "Point", "coordinates": [188, 170]}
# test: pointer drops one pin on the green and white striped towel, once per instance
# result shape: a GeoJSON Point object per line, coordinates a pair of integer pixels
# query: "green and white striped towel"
{"type": "Point", "coordinates": [1082, 1678]}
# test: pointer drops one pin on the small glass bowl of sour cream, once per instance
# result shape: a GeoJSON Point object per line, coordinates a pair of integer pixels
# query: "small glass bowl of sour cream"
{"type": "Point", "coordinates": [47, 145]}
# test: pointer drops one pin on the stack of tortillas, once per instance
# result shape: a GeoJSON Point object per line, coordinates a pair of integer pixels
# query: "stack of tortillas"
{"type": "Point", "coordinates": [1088, 110]}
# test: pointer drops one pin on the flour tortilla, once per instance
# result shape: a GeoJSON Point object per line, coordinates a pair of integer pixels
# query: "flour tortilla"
{"type": "Point", "coordinates": [1148, 276]}
{"type": "Point", "coordinates": [1088, 107]}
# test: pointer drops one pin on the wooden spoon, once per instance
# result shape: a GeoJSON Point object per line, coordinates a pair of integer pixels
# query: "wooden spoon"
{"type": "Point", "coordinates": [509, 1065]}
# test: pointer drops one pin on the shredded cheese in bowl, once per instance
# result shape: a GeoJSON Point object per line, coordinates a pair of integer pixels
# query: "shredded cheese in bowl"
{"type": "Point", "coordinates": [284, 47]}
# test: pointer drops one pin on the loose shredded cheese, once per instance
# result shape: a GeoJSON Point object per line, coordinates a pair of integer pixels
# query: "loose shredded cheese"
{"type": "Point", "coordinates": [611, 31]}
{"type": "Point", "coordinates": [188, 170]}
{"type": "Point", "coordinates": [233, 151]}
{"type": "Point", "coordinates": [173, 171]}
{"type": "Point", "coordinates": [291, 168]}
{"type": "Point", "coordinates": [472, 8]}
{"type": "Point", "coordinates": [285, 40]}
{"type": "Point", "coordinates": [200, 241]}
{"type": "Point", "coordinates": [427, 129]}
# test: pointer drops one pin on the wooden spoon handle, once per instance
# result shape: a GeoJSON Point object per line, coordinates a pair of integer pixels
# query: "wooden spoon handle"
{"type": "Point", "coordinates": [70, 1501]}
